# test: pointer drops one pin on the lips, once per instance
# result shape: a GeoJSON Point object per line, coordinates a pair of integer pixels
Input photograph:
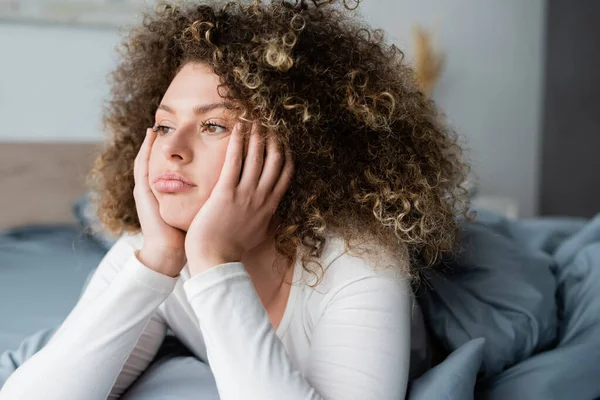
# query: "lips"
{"type": "Point", "coordinates": [171, 182]}
{"type": "Point", "coordinates": [167, 176]}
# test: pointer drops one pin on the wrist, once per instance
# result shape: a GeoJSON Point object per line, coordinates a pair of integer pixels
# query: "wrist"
{"type": "Point", "coordinates": [167, 262]}
{"type": "Point", "coordinates": [202, 262]}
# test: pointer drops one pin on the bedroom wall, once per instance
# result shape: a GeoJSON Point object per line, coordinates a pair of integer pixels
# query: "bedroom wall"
{"type": "Point", "coordinates": [491, 88]}
{"type": "Point", "coordinates": [52, 81]}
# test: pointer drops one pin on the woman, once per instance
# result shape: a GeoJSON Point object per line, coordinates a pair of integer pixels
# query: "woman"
{"type": "Point", "coordinates": [292, 181]}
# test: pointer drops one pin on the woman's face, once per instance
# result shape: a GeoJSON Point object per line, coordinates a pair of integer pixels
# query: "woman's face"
{"type": "Point", "coordinates": [192, 138]}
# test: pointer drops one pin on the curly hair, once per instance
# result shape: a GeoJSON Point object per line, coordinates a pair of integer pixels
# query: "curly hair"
{"type": "Point", "coordinates": [373, 159]}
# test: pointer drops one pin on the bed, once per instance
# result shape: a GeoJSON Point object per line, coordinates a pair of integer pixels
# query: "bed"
{"type": "Point", "coordinates": [44, 255]}
{"type": "Point", "coordinates": [516, 312]}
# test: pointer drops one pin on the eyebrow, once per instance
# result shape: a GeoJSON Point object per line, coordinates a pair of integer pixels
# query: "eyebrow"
{"type": "Point", "coordinates": [198, 110]}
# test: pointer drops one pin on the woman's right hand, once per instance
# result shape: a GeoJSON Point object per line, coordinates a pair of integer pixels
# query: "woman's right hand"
{"type": "Point", "coordinates": [164, 245]}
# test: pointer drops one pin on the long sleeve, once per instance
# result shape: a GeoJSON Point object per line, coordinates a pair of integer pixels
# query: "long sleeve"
{"type": "Point", "coordinates": [107, 340]}
{"type": "Point", "coordinates": [360, 347]}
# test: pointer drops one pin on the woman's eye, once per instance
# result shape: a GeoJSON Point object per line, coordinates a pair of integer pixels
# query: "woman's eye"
{"type": "Point", "coordinates": [162, 129]}
{"type": "Point", "coordinates": [213, 129]}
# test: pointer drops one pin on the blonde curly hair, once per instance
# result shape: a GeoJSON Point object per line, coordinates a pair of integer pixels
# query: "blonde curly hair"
{"type": "Point", "coordinates": [372, 158]}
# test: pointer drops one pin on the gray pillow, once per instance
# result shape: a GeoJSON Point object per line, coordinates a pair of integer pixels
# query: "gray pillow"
{"type": "Point", "coordinates": [453, 379]}
{"type": "Point", "coordinates": [85, 213]}
{"type": "Point", "coordinates": [495, 288]}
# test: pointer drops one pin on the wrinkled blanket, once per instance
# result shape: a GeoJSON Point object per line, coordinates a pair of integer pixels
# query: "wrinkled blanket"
{"type": "Point", "coordinates": [518, 311]}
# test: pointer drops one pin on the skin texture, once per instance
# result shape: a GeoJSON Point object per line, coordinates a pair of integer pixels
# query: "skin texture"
{"type": "Point", "coordinates": [373, 159]}
{"type": "Point", "coordinates": [239, 212]}
{"type": "Point", "coordinates": [185, 145]}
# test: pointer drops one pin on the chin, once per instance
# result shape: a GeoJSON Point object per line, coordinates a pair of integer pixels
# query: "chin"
{"type": "Point", "coordinates": [176, 218]}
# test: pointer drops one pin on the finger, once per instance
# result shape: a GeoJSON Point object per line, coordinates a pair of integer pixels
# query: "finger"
{"type": "Point", "coordinates": [253, 164]}
{"type": "Point", "coordinates": [272, 165]}
{"type": "Point", "coordinates": [285, 179]}
{"type": "Point", "coordinates": [140, 168]}
{"type": "Point", "coordinates": [230, 173]}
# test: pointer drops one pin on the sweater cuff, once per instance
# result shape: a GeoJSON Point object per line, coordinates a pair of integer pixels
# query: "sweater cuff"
{"type": "Point", "coordinates": [214, 276]}
{"type": "Point", "coordinates": [148, 277]}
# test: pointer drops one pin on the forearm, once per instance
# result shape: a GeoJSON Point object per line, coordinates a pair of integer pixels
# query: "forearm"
{"type": "Point", "coordinates": [363, 326]}
{"type": "Point", "coordinates": [84, 358]}
{"type": "Point", "coordinates": [247, 358]}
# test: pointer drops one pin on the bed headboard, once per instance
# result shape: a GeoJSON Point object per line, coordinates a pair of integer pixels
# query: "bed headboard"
{"type": "Point", "coordinates": [40, 181]}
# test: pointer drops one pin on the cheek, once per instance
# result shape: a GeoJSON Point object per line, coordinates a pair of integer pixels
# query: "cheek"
{"type": "Point", "coordinates": [214, 164]}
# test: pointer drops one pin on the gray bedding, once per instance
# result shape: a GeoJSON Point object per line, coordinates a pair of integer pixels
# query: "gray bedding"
{"type": "Point", "coordinates": [42, 270]}
{"type": "Point", "coordinates": [517, 314]}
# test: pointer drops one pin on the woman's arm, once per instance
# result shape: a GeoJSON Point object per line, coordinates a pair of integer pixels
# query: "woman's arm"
{"type": "Point", "coordinates": [107, 340]}
{"type": "Point", "coordinates": [360, 346]}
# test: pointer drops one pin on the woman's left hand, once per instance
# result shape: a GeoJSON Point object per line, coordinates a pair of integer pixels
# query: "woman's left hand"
{"type": "Point", "coordinates": [237, 215]}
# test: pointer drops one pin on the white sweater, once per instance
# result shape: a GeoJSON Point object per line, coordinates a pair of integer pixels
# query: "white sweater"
{"type": "Point", "coordinates": [347, 338]}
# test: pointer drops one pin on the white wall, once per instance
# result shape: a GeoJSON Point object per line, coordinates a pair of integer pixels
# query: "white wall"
{"type": "Point", "coordinates": [52, 81]}
{"type": "Point", "coordinates": [491, 88]}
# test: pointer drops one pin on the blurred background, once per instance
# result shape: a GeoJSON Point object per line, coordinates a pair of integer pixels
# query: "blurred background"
{"type": "Point", "coordinates": [518, 79]}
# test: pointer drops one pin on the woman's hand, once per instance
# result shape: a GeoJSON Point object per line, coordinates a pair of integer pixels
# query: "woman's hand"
{"type": "Point", "coordinates": [164, 245]}
{"type": "Point", "coordinates": [237, 215]}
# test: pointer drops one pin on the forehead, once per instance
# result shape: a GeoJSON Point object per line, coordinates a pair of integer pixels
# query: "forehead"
{"type": "Point", "coordinates": [194, 82]}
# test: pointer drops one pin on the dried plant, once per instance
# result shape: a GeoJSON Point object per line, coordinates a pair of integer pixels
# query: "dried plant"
{"type": "Point", "coordinates": [428, 60]}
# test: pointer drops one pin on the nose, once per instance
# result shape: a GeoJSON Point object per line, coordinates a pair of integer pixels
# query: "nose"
{"type": "Point", "coordinates": [176, 147]}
